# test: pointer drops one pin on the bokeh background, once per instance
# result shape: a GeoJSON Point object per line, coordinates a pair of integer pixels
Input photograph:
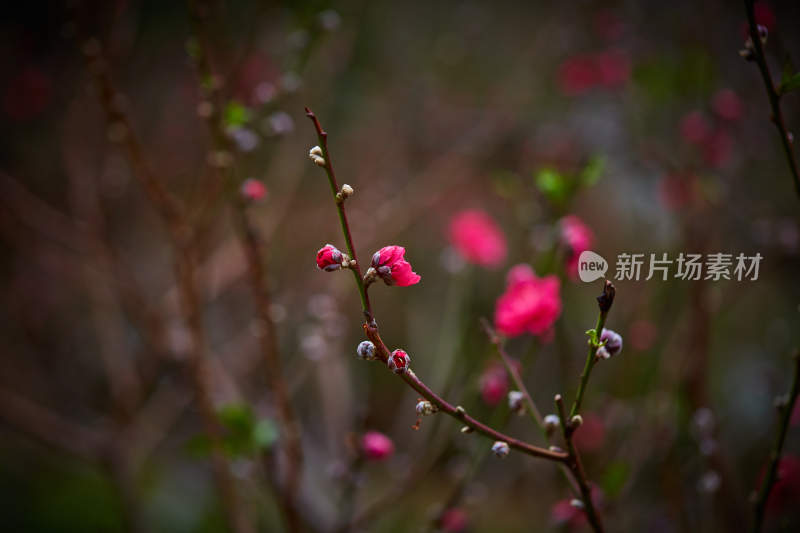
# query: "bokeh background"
{"type": "Point", "coordinates": [640, 118]}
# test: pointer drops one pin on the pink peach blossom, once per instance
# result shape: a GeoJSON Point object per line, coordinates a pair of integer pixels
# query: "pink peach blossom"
{"type": "Point", "coordinates": [329, 258]}
{"type": "Point", "coordinates": [695, 128]}
{"type": "Point", "coordinates": [727, 104]}
{"type": "Point", "coordinates": [529, 305]}
{"type": "Point", "coordinates": [376, 446]}
{"type": "Point", "coordinates": [391, 266]}
{"type": "Point", "coordinates": [478, 238]}
{"type": "Point", "coordinates": [253, 190]}
{"type": "Point", "coordinates": [453, 520]}
{"type": "Point", "coordinates": [494, 385]}
{"type": "Point", "coordinates": [577, 237]}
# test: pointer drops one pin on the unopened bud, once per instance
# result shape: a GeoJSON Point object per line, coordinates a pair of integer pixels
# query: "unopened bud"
{"type": "Point", "coordinates": [466, 429]}
{"type": "Point", "coordinates": [551, 422]}
{"type": "Point", "coordinates": [460, 411]}
{"type": "Point", "coordinates": [500, 448]}
{"type": "Point", "coordinates": [515, 398]}
{"type": "Point", "coordinates": [365, 350]}
{"type": "Point", "coordinates": [315, 154]}
{"type": "Point", "coordinates": [763, 33]}
{"type": "Point", "coordinates": [347, 191]}
{"type": "Point", "coordinates": [329, 258]}
{"type": "Point", "coordinates": [555, 449]}
{"type": "Point", "coordinates": [576, 503]}
{"type": "Point", "coordinates": [576, 421]}
{"type": "Point", "coordinates": [398, 362]}
{"type": "Point", "coordinates": [425, 408]}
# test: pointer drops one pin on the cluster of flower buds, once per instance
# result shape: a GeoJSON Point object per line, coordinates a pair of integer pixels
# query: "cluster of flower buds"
{"type": "Point", "coordinates": [611, 344]}
{"type": "Point", "coordinates": [748, 51]}
{"type": "Point", "coordinates": [315, 154]}
{"type": "Point", "coordinates": [398, 362]}
{"type": "Point", "coordinates": [425, 408]}
{"type": "Point", "coordinates": [500, 448]}
{"type": "Point", "coordinates": [366, 351]}
{"type": "Point", "coordinates": [515, 398]}
{"type": "Point", "coordinates": [390, 265]}
{"type": "Point", "coordinates": [345, 192]}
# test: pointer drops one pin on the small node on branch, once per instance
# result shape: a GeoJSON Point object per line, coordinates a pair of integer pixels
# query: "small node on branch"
{"type": "Point", "coordinates": [515, 398]}
{"type": "Point", "coordinates": [500, 449]}
{"type": "Point", "coordinates": [466, 429]}
{"type": "Point", "coordinates": [315, 154]}
{"type": "Point", "coordinates": [460, 411]}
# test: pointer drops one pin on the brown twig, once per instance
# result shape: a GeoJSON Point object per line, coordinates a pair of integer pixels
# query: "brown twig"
{"type": "Point", "coordinates": [772, 93]}
{"type": "Point", "coordinates": [785, 409]}
{"type": "Point", "coordinates": [183, 244]}
{"type": "Point", "coordinates": [382, 352]}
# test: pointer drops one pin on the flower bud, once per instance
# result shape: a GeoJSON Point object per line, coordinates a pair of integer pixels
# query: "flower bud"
{"type": "Point", "coordinates": [425, 408]}
{"type": "Point", "coordinates": [551, 422]}
{"type": "Point", "coordinates": [500, 448]}
{"type": "Point", "coordinates": [612, 344]}
{"type": "Point", "coordinates": [347, 191]}
{"type": "Point", "coordinates": [398, 362]}
{"type": "Point", "coordinates": [515, 398]}
{"type": "Point", "coordinates": [576, 421]}
{"type": "Point", "coordinates": [315, 154]}
{"type": "Point", "coordinates": [466, 429]}
{"type": "Point", "coordinates": [329, 258]}
{"type": "Point", "coordinates": [390, 264]}
{"type": "Point", "coordinates": [376, 446]}
{"type": "Point", "coordinates": [365, 350]}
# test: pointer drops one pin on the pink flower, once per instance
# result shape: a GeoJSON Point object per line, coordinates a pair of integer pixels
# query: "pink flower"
{"type": "Point", "coordinates": [329, 258]}
{"type": "Point", "coordinates": [786, 490]}
{"type": "Point", "coordinates": [564, 513]}
{"type": "Point", "coordinates": [717, 150]}
{"type": "Point", "coordinates": [613, 67]}
{"type": "Point", "coordinates": [253, 190]}
{"type": "Point", "coordinates": [529, 304]}
{"type": "Point", "coordinates": [578, 74]}
{"type": "Point", "coordinates": [695, 127]}
{"type": "Point", "coordinates": [391, 266]}
{"type": "Point", "coordinates": [376, 446]}
{"type": "Point", "coordinates": [577, 237]}
{"type": "Point", "coordinates": [726, 104]}
{"type": "Point", "coordinates": [478, 238]}
{"type": "Point", "coordinates": [453, 520]}
{"type": "Point", "coordinates": [494, 385]}
{"type": "Point", "coordinates": [676, 191]}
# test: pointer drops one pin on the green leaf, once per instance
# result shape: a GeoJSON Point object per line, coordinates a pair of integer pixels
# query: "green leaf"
{"type": "Point", "coordinates": [789, 83]}
{"type": "Point", "coordinates": [614, 478]}
{"type": "Point", "coordinates": [593, 170]}
{"type": "Point", "coordinates": [552, 184]}
{"type": "Point", "coordinates": [236, 114]}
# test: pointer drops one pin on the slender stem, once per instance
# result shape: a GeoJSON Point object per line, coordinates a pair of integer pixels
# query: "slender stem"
{"type": "Point", "coordinates": [322, 135]}
{"type": "Point", "coordinates": [786, 410]}
{"type": "Point", "coordinates": [772, 94]}
{"type": "Point", "coordinates": [382, 352]}
{"type": "Point", "coordinates": [530, 406]}
{"type": "Point", "coordinates": [604, 301]}
{"type": "Point", "coordinates": [576, 467]}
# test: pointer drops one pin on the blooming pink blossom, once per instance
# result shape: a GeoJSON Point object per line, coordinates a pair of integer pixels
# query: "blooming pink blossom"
{"type": "Point", "coordinates": [390, 264]}
{"type": "Point", "coordinates": [726, 104]}
{"type": "Point", "coordinates": [453, 520]}
{"type": "Point", "coordinates": [376, 446]}
{"type": "Point", "coordinates": [695, 128]}
{"type": "Point", "coordinates": [494, 385]}
{"type": "Point", "coordinates": [529, 305]}
{"type": "Point", "coordinates": [478, 238]}
{"type": "Point", "coordinates": [253, 190]}
{"type": "Point", "coordinates": [577, 237]}
{"type": "Point", "coordinates": [329, 258]}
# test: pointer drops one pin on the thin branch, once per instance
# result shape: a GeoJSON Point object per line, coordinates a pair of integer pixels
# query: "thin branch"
{"type": "Point", "coordinates": [786, 410]}
{"type": "Point", "coordinates": [576, 467]}
{"type": "Point", "coordinates": [605, 300]}
{"type": "Point", "coordinates": [772, 94]}
{"type": "Point", "coordinates": [382, 352]}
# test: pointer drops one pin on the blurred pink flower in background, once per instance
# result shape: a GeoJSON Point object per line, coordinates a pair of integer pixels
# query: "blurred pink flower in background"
{"type": "Point", "coordinates": [392, 267]}
{"type": "Point", "coordinates": [589, 437]}
{"type": "Point", "coordinates": [694, 127]}
{"type": "Point", "coordinates": [786, 490]}
{"type": "Point", "coordinates": [563, 513]}
{"type": "Point", "coordinates": [478, 238]}
{"type": "Point", "coordinates": [577, 237]}
{"type": "Point", "coordinates": [717, 150]}
{"type": "Point", "coordinates": [529, 305]}
{"type": "Point", "coordinates": [727, 105]}
{"type": "Point", "coordinates": [677, 190]}
{"type": "Point", "coordinates": [613, 68]}
{"type": "Point", "coordinates": [376, 446]}
{"type": "Point", "coordinates": [577, 74]}
{"type": "Point", "coordinates": [253, 190]}
{"type": "Point", "coordinates": [607, 25]}
{"type": "Point", "coordinates": [494, 384]}
{"type": "Point", "coordinates": [453, 520]}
